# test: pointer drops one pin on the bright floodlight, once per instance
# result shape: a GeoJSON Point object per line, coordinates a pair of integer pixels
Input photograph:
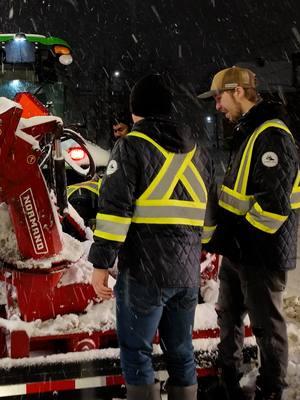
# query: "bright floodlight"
{"type": "Point", "coordinates": [209, 119]}
{"type": "Point", "coordinates": [14, 83]}
{"type": "Point", "coordinates": [117, 74]}
{"type": "Point", "coordinates": [66, 59]}
{"type": "Point", "coordinates": [20, 37]}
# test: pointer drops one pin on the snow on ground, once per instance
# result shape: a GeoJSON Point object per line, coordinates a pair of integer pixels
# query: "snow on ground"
{"type": "Point", "coordinates": [292, 312]}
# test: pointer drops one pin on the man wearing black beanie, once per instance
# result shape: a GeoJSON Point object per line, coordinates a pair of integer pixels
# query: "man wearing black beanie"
{"type": "Point", "coordinates": [152, 96]}
{"type": "Point", "coordinates": [157, 202]}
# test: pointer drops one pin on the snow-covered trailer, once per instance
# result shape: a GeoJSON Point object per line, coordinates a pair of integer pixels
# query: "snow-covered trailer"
{"type": "Point", "coordinates": [71, 352]}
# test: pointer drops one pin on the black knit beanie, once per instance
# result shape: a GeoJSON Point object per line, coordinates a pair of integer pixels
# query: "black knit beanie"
{"type": "Point", "coordinates": [151, 96]}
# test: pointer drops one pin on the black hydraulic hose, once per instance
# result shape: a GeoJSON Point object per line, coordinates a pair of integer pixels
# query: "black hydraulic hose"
{"type": "Point", "coordinates": [61, 185]}
{"type": "Point", "coordinates": [60, 173]}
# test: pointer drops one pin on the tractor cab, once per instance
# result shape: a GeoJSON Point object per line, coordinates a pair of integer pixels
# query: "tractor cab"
{"type": "Point", "coordinates": [36, 64]}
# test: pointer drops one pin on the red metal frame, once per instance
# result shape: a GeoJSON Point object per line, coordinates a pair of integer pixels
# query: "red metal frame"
{"type": "Point", "coordinates": [23, 187]}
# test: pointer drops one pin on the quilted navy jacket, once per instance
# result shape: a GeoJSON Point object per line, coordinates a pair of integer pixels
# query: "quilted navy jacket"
{"type": "Point", "coordinates": [162, 255]}
{"type": "Point", "coordinates": [234, 236]}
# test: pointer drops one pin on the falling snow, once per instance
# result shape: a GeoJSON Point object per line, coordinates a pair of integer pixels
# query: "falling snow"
{"type": "Point", "coordinates": [11, 13]}
{"type": "Point", "coordinates": [194, 40]}
{"type": "Point", "coordinates": [156, 13]}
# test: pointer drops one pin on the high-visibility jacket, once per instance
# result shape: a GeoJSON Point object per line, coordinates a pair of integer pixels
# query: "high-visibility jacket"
{"type": "Point", "coordinates": [153, 207]}
{"type": "Point", "coordinates": [92, 185]}
{"type": "Point", "coordinates": [83, 196]}
{"type": "Point", "coordinates": [237, 200]}
{"type": "Point", "coordinates": [257, 217]}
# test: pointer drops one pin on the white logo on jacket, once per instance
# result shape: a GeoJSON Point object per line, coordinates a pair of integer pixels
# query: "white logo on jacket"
{"type": "Point", "coordinates": [269, 159]}
{"type": "Point", "coordinates": [112, 167]}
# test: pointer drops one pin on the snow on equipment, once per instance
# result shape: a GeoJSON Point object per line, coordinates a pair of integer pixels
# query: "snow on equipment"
{"type": "Point", "coordinates": [55, 335]}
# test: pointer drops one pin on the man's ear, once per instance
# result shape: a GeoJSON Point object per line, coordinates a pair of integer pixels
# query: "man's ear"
{"type": "Point", "coordinates": [239, 92]}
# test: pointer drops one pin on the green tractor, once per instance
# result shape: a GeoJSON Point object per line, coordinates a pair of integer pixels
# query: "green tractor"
{"type": "Point", "coordinates": [36, 64]}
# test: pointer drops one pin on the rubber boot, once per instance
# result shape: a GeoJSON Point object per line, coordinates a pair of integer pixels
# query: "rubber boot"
{"type": "Point", "coordinates": [268, 391]}
{"type": "Point", "coordinates": [270, 395]}
{"type": "Point", "coordinates": [143, 392]}
{"type": "Point", "coordinates": [182, 392]}
{"type": "Point", "coordinates": [230, 379]}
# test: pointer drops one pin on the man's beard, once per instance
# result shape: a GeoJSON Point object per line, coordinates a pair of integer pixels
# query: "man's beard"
{"type": "Point", "coordinates": [236, 114]}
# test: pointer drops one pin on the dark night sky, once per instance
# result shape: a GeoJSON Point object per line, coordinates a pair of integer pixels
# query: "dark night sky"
{"type": "Point", "coordinates": [188, 35]}
{"type": "Point", "coordinates": [193, 38]}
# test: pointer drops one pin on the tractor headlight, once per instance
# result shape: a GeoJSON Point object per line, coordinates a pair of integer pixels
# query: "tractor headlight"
{"type": "Point", "coordinates": [66, 59]}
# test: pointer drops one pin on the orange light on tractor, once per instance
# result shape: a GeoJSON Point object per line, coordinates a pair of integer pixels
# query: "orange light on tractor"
{"type": "Point", "coordinates": [77, 153]}
{"type": "Point", "coordinates": [61, 50]}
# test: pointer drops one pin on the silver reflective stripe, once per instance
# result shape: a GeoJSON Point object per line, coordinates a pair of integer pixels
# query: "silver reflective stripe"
{"type": "Point", "coordinates": [92, 184]}
{"type": "Point", "coordinates": [264, 222]}
{"type": "Point", "coordinates": [168, 212]}
{"type": "Point", "coordinates": [295, 196]}
{"type": "Point", "coordinates": [243, 170]}
{"type": "Point", "coordinates": [162, 187]}
{"type": "Point", "coordinates": [243, 173]}
{"type": "Point", "coordinates": [113, 228]}
{"type": "Point", "coordinates": [155, 205]}
{"type": "Point", "coordinates": [207, 233]}
{"type": "Point", "coordinates": [241, 206]}
{"type": "Point", "coordinates": [190, 176]}
{"type": "Point", "coordinates": [89, 185]}
{"type": "Point", "coordinates": [295, 200]}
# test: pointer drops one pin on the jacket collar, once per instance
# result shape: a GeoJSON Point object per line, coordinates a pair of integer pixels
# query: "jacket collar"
{"type": "Point", "coordinates": [172, 136]}
{"type": "Point", "coordinates": [258, 114]}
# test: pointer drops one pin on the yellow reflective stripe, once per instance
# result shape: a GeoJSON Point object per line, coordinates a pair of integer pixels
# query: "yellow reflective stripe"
{"type": "Point", "coordinates": [112, 227]}
{"type": "Point", "coordinates": [230, 208]}
{"type": "Point", "coordinates": [257, 224]}
{"type": "Point", "coordinates": [297, 182]}
{"type": "Point", "coordinates": [189, 189]}
{"type": "Point", "coordinates": [93, 186]}
{"type": "Point", "coordinates": [199, 178]}
{"type": "Point", "coordinates": [190, 165]}
{"type": "Point", "coordinates": [158, 177]}
{"type": "Point", "coordinates": [154, 206]}
{"type": "Point", "coordinates": [169, 212]}
{"type": "Point", "coordinates": [71, 190]}
{"type": "Point", "coordinates": [264, 220]}
{"type": "Point", "coordinates": [179, 173]}
{"type": "Point", "coordinates": [295, 195]}
{"type": "Point", "coordinates": [114, 218]}
{"type": "Point", "coordinates": [243, 173]}
{"type": "Point", "coordinates": [145, 137]}
{"type": "Point", "coordinates": [207, 233]}
{"type": "Point", "coordinates": [235, 202]}
{"type": "Point", "coordinates": [295, 199]}
{"type": "Point", "coordinates": [170, 202]}
{"type": "Point", "coordinates": [109, 236]}
{"type": "Point", "coordinates": [167, 220]}
{"type": "Point", "coordinates": [276, 123]}
{"type": "Point", "coordinates": [166, 180]}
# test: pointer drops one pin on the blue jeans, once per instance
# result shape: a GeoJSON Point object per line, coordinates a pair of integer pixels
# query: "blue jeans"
{"type": "Point", "coordinates": [140, 312]}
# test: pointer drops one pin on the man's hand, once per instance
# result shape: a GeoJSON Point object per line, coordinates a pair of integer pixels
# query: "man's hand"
{"type": "Point", "coordinates": [100, 284]}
